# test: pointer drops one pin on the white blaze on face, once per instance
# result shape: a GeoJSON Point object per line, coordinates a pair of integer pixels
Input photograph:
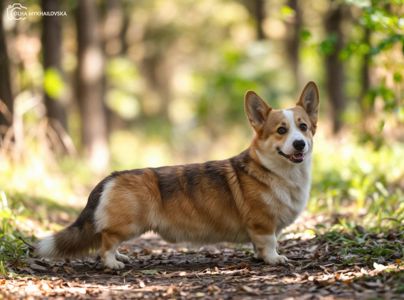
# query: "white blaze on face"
{"type": "Point", "coordinates": [294, 134]}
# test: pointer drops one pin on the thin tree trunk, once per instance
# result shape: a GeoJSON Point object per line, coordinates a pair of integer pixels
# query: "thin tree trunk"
{"type": "Point", "coordinates": [51, 41]}
{"type": "Point", "coordinates": [157, 72]}
{"type": "Point", "coordinates": [335, 68]}
{"type": "Point", "coordinates": [89, 85]}
{"type": "Point", "coordinates": [364, 103]}
{"type": "Point", "coordinates": [6, 97]}
{"type": "Point", "coordinates": [293, 41]}
{"type": "Point", "coordinates": [365, 75]}
{"type": "Point", "coordinates": [124, 31]}
{"type": "Point", "coordinates": [259, 14]}
{"type": "Point", "coordinates": [113, 21]}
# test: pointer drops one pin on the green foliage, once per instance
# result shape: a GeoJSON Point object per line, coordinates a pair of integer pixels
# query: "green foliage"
{"type": "Point", "coordinates": [386, 94]}
{"type": "Point", "coordinates": [12, 247]}
{"type": "Point", "coordinates": [359, 181]}
{"type": "Point", "coordinates": [382, 20]}
{"type": "Point", "coordinates": [223, 88]}
{"type": "Point", "coordinates": [372, 245]}
{"type": "Point", "coordinates": [124, 81]}
{"type": "Point", "coordinates": [327, 46]}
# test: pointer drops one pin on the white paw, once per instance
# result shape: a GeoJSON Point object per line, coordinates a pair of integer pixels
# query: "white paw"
{"type": "Point", "coordinates": [114, 264]}
{"type": "Point", "coordinates": [276, 259]}
{"type": "Point", "coordinates": [122, 257]}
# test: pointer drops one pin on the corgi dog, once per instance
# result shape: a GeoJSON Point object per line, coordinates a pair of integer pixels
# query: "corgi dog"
{"type": "Point", "coordinates": [250, 197]}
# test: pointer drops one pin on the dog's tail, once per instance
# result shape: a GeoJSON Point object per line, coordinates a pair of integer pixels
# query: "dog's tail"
{"type": "Point", "coordinates": [80, 237]}
{"type": "Point", "coordinates": [72, 241]}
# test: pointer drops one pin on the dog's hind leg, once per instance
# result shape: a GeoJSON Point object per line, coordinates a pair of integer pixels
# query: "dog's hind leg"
{"type": "Point", "coordinates": [110, 241]}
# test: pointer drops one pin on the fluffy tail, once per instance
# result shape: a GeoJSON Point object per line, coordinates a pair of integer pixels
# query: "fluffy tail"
{"type": "Point", "coordinates": [72, 241]}
{"type": "Point", "coordinates": [80, 237]}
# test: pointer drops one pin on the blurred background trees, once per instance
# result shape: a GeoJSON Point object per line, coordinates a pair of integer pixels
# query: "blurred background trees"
{"type": "Point", "coordinates": [160, 80]}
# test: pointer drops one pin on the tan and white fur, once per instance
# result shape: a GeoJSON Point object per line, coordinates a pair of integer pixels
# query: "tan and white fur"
{"type": "Point", "coordinates": [250, 197]}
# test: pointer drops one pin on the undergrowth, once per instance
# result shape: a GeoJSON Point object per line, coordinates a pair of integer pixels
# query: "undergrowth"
{"type": "Point", "coordinates": [355, 243]}
{"type": "Point", "coordinates": [12, 241]}
{"type": "Point", "coordinates": [359, 182]}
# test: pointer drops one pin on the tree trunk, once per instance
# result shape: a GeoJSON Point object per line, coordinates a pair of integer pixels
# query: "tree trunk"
{"type": "Point", "coordinates": [89, 86]}
{"type": "Point", "coordinates": [112, 44]}
{"type": "Point", "coordinates": [158, 73]}
{"type": "Point", "coordinates": [335, 68]}
{"type": "Point", "coordinates": [124, 31]}
{"type": "Point", "coordinates": [259, 14]}
{"type": "Point", "coordinates": [6, 97]}
{"type": "Point", "coordinates": [52, 41]}
{"type": "Point", "coordinates": [113, 19]}
{"type": "Point", "coordinates": [365, 76]}
{"type": "Point", "coordinates": [293, 41]}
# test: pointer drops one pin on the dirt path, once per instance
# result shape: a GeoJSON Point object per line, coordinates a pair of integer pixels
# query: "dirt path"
{"type": "Point", "coordinates": [167, 271]}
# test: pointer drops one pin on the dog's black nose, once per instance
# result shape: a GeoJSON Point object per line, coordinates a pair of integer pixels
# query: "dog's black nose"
{"type": "Point", "coordinates": [299, 145]}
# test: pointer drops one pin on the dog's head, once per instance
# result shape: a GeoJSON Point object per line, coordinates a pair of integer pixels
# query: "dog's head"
{"type": "Point", "coordinates": [286, 134]}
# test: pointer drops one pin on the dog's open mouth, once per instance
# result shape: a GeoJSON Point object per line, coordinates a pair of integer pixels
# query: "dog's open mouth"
{"type": "Point", "coordinates": [296, 157]}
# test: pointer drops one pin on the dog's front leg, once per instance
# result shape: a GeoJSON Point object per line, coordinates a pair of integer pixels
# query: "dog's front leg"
{"type": "Point", "coordinates": [265, 248]}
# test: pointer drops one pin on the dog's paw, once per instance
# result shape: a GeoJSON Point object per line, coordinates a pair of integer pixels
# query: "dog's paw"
{"type": "Point", "coordinates": [276, 259]}
{"type": "Point", "coordinates": [114, 264]}
{"type": "Point", "coordinates": [122, 257]}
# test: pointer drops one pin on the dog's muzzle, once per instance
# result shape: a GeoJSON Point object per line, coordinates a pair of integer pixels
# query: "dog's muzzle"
{"type": "Point", "coordinates": [296, 157]}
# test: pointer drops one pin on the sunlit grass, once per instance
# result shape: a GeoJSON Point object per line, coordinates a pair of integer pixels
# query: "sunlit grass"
{"type": "Point", "coordinates": [355, 179]}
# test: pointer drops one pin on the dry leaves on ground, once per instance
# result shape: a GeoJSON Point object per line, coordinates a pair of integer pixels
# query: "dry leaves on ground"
{"type": "Point", "coordinates": [317, 269]}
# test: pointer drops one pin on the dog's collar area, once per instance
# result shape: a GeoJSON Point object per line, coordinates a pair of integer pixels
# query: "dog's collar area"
{"type": "Point", "coordinates": [296, 157]}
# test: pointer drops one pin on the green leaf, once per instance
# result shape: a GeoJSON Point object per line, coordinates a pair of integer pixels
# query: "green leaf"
{"type": "Point", "coordinates": [327, 46]}
{"type": "Point", "coordinates": [398, 77]}
{"type": "Point", "coordinates": [387, 43]}
{"type": "Point", "coordinates": [287, 11]}
{"type": "Point", "coordinates": [305, 35]}
{"type": "Point", "coordinates": [53, 83]}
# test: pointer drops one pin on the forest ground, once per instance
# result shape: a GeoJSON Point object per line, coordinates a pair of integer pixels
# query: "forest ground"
{"type": "Point", "coordinates": [323, 264]}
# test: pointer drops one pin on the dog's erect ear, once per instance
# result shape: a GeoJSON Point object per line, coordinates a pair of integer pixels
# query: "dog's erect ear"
{"type": "Point", "coordinates": [309, 100]}
{"type": "Point", "coordinates": [256, 109]}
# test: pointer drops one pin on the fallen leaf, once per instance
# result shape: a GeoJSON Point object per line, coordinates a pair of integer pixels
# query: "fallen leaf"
{"type": "Point", "coordinates": [249, 290]}
{"type": "Point", "coordinates": [379, 267]}
{"type": "Point", "coordinates": [37, 267]}
{"type": "Point", "coordinates": [149, 272]}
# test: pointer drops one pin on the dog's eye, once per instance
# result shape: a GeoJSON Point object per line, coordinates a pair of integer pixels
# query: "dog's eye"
{"type": "Point", "coordinates": [281, 130]}
{"type": "Point", "coordinates": [303, 127]}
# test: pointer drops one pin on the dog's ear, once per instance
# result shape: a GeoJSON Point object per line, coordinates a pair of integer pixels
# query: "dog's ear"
{"type": "Point", "coordinates": [256, 109]}
{"type": "Point", "coordinates": [309, 100]}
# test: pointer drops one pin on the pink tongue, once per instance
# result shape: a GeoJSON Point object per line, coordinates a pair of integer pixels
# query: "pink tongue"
{"type": "Point", "coordinates": [298, 155]}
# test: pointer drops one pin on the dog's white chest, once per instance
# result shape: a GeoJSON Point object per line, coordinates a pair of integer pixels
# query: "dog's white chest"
{"type": "Point", "coordinates": [287, 199]}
